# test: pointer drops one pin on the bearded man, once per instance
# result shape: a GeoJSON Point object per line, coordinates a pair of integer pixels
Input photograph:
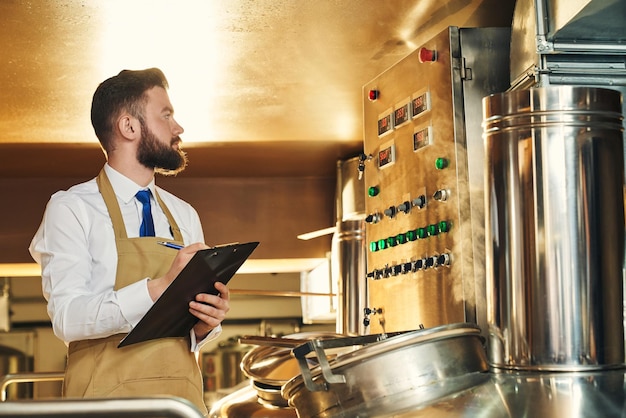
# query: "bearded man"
{"type": "Point", "coordinates": [102, 268]}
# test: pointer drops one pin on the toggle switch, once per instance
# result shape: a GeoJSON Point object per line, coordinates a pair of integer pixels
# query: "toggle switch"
{"type": "Point", "coordinates": [373, 218]}
{"type": "Point", "coordinates": [419, 202]}
{"type": "Point", "coordinates": [404, 207]}
{"type": "Point", "coordinates": [441, 195]}
{"type": "Point", "coordinates": [390, 211]}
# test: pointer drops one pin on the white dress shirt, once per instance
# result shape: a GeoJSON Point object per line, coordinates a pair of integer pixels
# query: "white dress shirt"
{"type": "Point", "coordinates": [75, 246]}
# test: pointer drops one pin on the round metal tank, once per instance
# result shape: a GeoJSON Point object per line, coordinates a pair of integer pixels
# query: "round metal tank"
{"type": "Point", "coordinates": [394, 374]}
{"type": "Point", "coordinates": [268, 366]}
{"type": "Point", "coordinates": [554, 228]}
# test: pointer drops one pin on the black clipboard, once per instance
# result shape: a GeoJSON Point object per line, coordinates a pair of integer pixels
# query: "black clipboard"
{"type": "Point", "coordinates": [169, 316]}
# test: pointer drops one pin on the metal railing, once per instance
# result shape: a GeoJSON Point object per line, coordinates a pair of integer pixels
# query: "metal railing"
{"type": "Point", "coordinates": [94, 408]}
{"type": "Point", "coordinates": [26, 377]}
{"type": "Point", "coordinates": [128, 407]}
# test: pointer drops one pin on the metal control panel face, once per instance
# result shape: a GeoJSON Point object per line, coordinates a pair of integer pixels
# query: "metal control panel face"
{"type": "Point", "coordinates": [418, 212]}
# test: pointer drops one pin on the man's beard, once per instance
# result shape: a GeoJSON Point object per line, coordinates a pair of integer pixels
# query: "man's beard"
{"type": "Point", "coordinates": [164, 159]}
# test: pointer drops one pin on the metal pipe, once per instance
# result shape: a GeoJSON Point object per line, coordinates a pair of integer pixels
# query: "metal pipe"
{"type": "Point", "coordinates": [8, 379]}
{"type": "Point", "coordinates": [131, 407]}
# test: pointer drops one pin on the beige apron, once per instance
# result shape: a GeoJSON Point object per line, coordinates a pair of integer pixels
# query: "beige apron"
{"type": "Point", "coordinates": [167, 367]}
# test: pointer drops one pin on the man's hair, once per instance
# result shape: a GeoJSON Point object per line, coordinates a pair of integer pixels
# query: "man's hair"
{"type": "Point", "coordinates": [124, 92]}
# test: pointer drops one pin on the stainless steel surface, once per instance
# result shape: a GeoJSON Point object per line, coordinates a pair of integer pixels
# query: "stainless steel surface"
{"type": "Point", "coordinates": [555, 238]}
{"type": "Point", "coordinates": [419, 366]}
{"type": "Point", "coordinates": [529, 394]}
{"type": "Point", "coordinates": [104, 408]}
{"type": "Point", "coordinates": [577, 42]}
{"type": "Point", "coordinates": [350, 190]}
{"type": "Point", "coordinates": [348, 269]}
{"type": "Point", "coordinates": [404, 282]}
{"type": "Point", "coordinates": [271, 363]}
{"type": "Point", "coordinates": [245, 403]}
{"type": "Point", "coordinates": [268, 367]}
{"type": "Point", "coordinates": [30, 377]}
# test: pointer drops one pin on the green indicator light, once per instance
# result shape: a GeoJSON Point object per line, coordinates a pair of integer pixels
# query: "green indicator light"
{"type": "Point", "coordinates": [373, 191]}
{"type": "Point", "coordinates": [444, 226]}
{"type": "Point", "coordinates": [382, 244]}
{"type": "Point", "coordinates": [421, 232]}
{"type": "Point", "coordinates": [391, 241]}
{"type": "Point", "coordinates": [400, 239]}
{"type": "Point", "coordinates": [433, 230]}
{"type": "Point", "coordinates": [373, 246]}
{"type": "Point", "coordinates": [411, 235]}
{"type": "Point", "coordinates": [441, 163]}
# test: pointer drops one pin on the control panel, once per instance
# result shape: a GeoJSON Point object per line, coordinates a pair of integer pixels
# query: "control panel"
{"type": "Point", "coordinates": [419, 228]}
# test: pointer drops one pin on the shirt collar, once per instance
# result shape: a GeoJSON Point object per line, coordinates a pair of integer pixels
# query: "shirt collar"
{"type": "Point", "coordinates": [124, 187]}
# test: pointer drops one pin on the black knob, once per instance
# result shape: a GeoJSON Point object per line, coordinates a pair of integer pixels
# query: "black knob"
{"type": "Point", "coordinates": [404, 207]}
{"type": "Point", "coordinates": [372, 218]}
{"type": "Point", "coordinates": [390, 211]}
{"type": "Point", "coordinates": [419, 202]}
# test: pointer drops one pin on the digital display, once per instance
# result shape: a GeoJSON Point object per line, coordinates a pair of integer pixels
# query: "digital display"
{"type": "Point", "coordinates": [419, 104]}
{"type": "Point", "coordinates": [421, 138]}
{"type": "Point", "coordinates": [401, 115]}
{"type": "Point", "coordinates": [384, 124]}
{"type": "Point", "coordinates": [386, 156]}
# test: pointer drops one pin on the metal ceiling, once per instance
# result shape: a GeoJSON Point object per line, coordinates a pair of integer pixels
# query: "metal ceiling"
{"type": "Point", "coordinates": [263, 88]}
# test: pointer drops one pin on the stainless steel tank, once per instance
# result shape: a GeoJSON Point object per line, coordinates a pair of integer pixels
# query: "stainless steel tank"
{"type": "Point", "coordinates": [348, 248]}
{"type": "Point", "coordinates": [554, 228]}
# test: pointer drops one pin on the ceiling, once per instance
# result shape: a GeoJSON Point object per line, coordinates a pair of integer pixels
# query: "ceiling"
{"type": "Point", "coordinates": [262, 87]}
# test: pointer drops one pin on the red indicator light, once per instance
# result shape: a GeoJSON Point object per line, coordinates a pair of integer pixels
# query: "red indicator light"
{"type": "Point", "coordinates": [373, 95]}
{"type": "Point", "coordinates": [427, 55]}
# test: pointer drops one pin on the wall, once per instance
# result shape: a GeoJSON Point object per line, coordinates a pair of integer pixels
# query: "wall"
{"type": "Point", "coordinates": [270, 210]}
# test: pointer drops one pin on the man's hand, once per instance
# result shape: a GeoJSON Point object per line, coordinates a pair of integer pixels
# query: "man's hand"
{"type": "Point", "coordinates": [210, 309]}
{"type": "Point", "coordinates": [157, 286]}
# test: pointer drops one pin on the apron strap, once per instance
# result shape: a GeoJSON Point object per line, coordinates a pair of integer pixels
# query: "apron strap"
{"type": "Point", "coordinates": [104, 185]}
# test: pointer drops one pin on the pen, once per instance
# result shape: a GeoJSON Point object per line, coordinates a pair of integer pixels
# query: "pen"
{"type": "Point", "coordinates": [170, 245]}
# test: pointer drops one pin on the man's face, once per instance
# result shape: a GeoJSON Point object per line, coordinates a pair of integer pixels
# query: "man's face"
{"type": "Point", "coordinates": [164, 158]}
{"type": "Point", "coordinates": [159, 147]}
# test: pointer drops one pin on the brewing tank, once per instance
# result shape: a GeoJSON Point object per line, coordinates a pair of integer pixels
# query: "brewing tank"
{"type": "Point", "coordinates": [554, 228]}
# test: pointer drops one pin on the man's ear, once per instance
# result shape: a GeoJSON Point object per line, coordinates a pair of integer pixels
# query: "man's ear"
{"type": "Point", "coordinates": [129, 127]}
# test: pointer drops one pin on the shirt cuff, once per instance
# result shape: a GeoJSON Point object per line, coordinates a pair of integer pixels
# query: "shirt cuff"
{"type": "Point", "coordinates": [134, 301]}
{"type": "Point", "coordinates": [196, 346]}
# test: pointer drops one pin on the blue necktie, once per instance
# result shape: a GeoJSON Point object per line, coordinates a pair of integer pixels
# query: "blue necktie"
{"type": "Point", "coordinates": [147, 225]}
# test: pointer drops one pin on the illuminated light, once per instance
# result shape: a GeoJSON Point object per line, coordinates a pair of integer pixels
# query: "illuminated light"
{"type": "Point", "coordinates": [441, 163]}
{"type": "Point", "coordinates": [373, 191]}
{"type": "Point", "coordinates": [129, 42]}
{"type": "Point", "coordinates": [373, 95]}
{"type": "Point", "coordinates": [433, 230]}
{"type": "Point", "coordinates": [427, 55]}
{"type": "Point", "coordinates": [373, 246]}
